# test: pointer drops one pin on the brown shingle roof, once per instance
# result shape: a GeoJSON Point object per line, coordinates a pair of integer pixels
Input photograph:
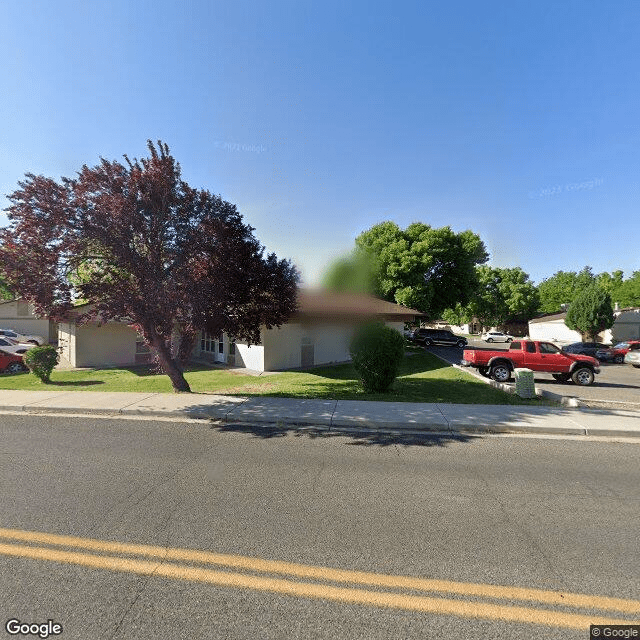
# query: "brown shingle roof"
{"type": "Point", "coordinates": [320, 303]}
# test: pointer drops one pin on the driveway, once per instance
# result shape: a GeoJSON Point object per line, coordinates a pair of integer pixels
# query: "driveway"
{"type": "Point", "coordinates": [615, 383]}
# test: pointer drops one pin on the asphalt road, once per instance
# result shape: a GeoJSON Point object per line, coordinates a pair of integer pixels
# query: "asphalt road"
{"type": "Point", "coordinates": [542, 514]}
{"type": "Point", "coordinates": [614, 383]}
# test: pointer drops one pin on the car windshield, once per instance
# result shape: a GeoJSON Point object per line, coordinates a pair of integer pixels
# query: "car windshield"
{"type": "Point", "coordinates": [622, 345]}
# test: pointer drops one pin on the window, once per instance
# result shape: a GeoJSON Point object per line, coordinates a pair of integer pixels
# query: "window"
{"type": "Point", "coordinates": [207, 343]}
{"type": "Point", "coordinates": [546, 347]}
{"type": "Point", "coordinates": [531, 347]}
{"type": "Point", "coordinates": [220, 344]}
{"type": "Point", "coordinates": [515, 346]}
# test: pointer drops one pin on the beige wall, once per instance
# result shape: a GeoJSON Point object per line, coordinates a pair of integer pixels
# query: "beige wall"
{"type": "Point", "coordinates": [330, 340]}
{"type": "Point", "coordinates": [111, 344]}
{"type": "Point", "coordinates": [20, 318]}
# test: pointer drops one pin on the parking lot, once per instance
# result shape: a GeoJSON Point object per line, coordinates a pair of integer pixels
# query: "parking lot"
{"type": "Point", "coordinates": [616, 383]}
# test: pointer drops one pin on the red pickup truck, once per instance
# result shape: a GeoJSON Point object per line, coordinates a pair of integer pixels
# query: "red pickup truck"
{"type": "Point", "coordinates": [534, 355]}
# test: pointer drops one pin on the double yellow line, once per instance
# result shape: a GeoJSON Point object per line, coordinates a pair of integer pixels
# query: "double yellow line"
{"type": "Point", "coordinates": [163, 564]}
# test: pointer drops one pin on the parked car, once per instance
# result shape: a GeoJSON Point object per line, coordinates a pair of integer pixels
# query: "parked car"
{"type": "Point", "coordinates": [496, 336]}
{"type": "Point", "coordinates": [11, 346]}
{"type": "Point", "coordinates": [618, 352]}
{"type": "Point", "coordinates": [11, 363]}
{"type": "Point", "coordinates": [22, 337]}
{"type": "Point", "coordinates": [633, 358]}
{"type": "Point", "coordinates": [438, 336]}
{"type": "Point", "coordinates": [586, 348]}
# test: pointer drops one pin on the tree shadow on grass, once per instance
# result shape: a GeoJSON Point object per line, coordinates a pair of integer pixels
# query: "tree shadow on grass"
{"type": "Point", "coordinates": [72, 383]}
{"type": "Point", "coordinates": [355, 437]}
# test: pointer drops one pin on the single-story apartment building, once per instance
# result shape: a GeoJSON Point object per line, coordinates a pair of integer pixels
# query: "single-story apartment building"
{"type": "Point", "coordinates": [319, 332]}
{"type": "Point", "coordinates": [551, 327]}
{"type": "Point", "coordinates": [19, 316]}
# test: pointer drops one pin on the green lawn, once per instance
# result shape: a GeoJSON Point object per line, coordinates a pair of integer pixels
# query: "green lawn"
{"type": "Point", "coordinates": [423, 378]}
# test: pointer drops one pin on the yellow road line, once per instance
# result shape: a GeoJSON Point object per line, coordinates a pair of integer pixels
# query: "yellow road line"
{"type": "Point", "coordinates": [314, 591]}
{"type": "Point", "coordinates": [333, 575]}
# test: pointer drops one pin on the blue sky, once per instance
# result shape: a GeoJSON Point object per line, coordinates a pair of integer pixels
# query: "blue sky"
{"type": "Point", "coordinates": [518, 120]}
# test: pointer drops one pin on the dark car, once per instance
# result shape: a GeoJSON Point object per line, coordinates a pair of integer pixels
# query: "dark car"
{"type": "Point", "coordinates": [438, 336]}
{"type": "Point", "coordinates": [585, 348]}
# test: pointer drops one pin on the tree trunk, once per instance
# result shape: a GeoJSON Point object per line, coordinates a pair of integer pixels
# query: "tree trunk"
{"type": "Point", "coordinates": [170, 366]}
{"type": "Point", "coordinates": [187, 340]}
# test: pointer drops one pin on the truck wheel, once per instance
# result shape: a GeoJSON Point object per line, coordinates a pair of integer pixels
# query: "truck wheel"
{"type": "Point", "coordinates": [561, 377]}
{"type": "Point", "coordinates": [15, 367]}
{"type": "Point", "coordinates": [501, 372]}
{"type": "Point", "coordinates": [583, 376]}
{"type": "Point", "coordinates": [619, 359]}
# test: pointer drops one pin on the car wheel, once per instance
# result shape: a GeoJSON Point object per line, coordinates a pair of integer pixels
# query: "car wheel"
{"type": "Point", "coordinates": [489, 339]}
{"type": "Point", "coordinates": [33, 342]}
{"type": "Point", "coordinates": [461, 343]}
{"type": "Point", "coordinates": [636, 366]}
{"type": "Point", "coordinates": [427, 342]}
{"type": "Point", "coordinates": [15, 367]}
{"type": "Point", "coordinates": [501, 373]}
{"type": "Point", "coordinates": [561, 377]}
{"type": "Point", "coordinates": [619, 359]}
{"type": "Point", "coordinates": [509, 339]}
{"type": "Point", "coordinates": [583, 376]}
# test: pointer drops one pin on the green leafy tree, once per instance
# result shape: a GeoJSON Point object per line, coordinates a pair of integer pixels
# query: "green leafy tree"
{"type": "Point", "coordinates": [501, 294]}
{"type": "Point", "coordinates": [562, 288]}
{"type": "Point", "coordinates": [421, 267]}
{"type": "Point", "coordinates": [628, 293]}
{"type": "Point", "coordinates": [591, 312]}
{"type": "Point", "coordinates": [5, 291]}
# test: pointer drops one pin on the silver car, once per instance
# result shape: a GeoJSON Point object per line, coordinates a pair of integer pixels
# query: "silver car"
{"type": "Point", "coordinates": [496, 336]}
{"type": "Point", "coordinates": [22, 337]}
{"type": "Point", "coordinates": [633, 358]}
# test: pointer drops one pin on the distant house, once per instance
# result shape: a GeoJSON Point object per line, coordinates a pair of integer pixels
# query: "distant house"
{"type": "Point", "coordinates": [319, 332]}
{"type": "Point", "coordinates": [19, 316]}
{"type": "Point", "coordinates": [552, 327]}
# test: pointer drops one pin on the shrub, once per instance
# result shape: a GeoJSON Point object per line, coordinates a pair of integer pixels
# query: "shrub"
{"type": "Point", "coordinates": [41, 361]}
{"type": "Point", "coordinates": [377, 351]}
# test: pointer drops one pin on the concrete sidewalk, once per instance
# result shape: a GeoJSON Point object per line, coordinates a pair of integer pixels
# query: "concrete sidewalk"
{"type": "Point", "coordinates": [332, 414]}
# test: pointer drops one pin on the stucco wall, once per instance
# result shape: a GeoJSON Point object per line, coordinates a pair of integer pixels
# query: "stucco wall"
{"type": "Point", "coordinates": [330, 340]}
{"type": "Point", "coordinates": [20, 318]}
{"type": "Point", "coordinates": [251, 357]}
{"type": "Point", "coordinates": [101, 346]}
{"type": "Point", "coordinates": [626, 326]}
{"type": "Point", "coordinates": [554, 331]}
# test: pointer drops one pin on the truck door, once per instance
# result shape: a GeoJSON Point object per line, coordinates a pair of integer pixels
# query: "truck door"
{"type": "Point", "coordinates": [530, 357]}
{"type": "Point", "coordinates": [552, 359]}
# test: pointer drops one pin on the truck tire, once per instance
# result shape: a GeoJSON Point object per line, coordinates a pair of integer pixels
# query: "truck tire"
{"type": "Point", "coordinates": [561, 377]}
{"type": "Point", "coordinates": [501, 372]}
{"type": "Point", "coordinates": [583, 376]}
